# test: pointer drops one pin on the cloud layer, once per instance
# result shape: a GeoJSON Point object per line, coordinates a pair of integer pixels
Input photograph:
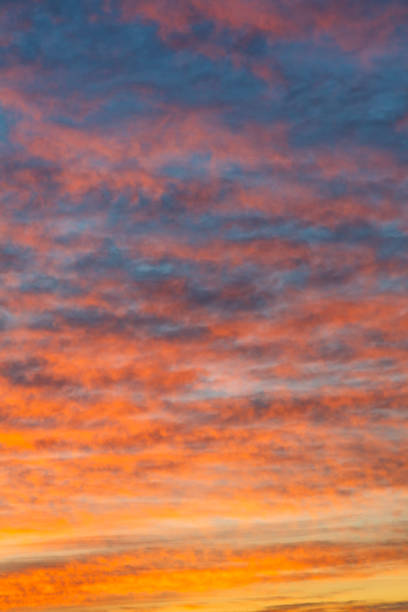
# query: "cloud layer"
{"type": "Point", "coordinates": [203, 305]}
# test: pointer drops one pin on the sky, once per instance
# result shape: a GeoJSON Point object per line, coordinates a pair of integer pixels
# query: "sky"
{"type": "Point", "coordinates": [203, 306]}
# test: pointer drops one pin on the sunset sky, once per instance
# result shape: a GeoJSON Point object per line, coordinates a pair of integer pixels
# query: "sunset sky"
{"type": "Point", "coordinates": [204, 305]}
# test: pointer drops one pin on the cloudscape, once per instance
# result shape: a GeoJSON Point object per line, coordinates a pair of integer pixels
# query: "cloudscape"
{"type": "Point", "coordinates": [204, 306]}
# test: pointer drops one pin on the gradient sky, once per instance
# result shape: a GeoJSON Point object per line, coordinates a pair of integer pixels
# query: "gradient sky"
{"type": "Point", "coordinates": [204, 305]}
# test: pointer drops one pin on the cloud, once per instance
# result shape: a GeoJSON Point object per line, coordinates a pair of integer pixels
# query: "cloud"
{"type": "Point", "coordinates": [203, 265]}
